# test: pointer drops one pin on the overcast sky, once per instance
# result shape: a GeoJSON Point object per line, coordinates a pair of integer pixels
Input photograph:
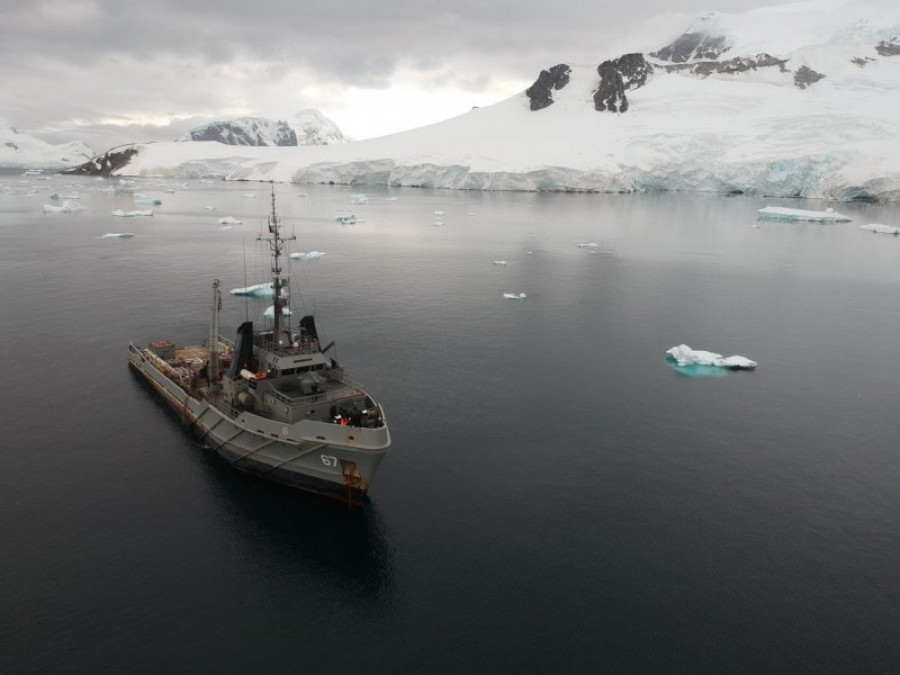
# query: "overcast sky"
{"type": "Point", "coordinates": [115, 71]}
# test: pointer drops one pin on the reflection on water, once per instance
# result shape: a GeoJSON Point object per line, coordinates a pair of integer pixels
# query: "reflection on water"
{"type": "Point", "coordinates": [695, 370]}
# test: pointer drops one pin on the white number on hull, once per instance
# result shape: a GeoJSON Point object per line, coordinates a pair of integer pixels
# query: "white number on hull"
{"type": "Point", "coordinates": [329, 460]}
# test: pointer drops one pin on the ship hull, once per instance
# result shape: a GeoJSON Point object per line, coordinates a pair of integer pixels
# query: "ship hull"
{"type": "Point", "coordinates": [327, 459]}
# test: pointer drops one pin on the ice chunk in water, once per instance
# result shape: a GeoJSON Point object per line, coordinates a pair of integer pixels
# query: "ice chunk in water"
{"type": "Point", "coordinates": [229, 220]}
{"type": "Point", "coordinates": [514, 296]}
{"type": "Point", "coordinates": [685, 356]}
{"type": "Point", "coordinates": [499, 262]}
{"type": "Point", "coordinates": [117, 235]}
{"type": "Point", "coordinates": [782, 213]}
{"type": "Point", "coordinates": [270, 312]}
{"type": "Point", "coordinates": [881, 229]}
{"type": "Point", "coordinates": [359, 199]}
{"type": "Point", "coordinates": [587, 244]}
{"type": "Point", "coordinates": [68, 206]}
{"type": "Point", "coordinates": [131, 214]}
{"type": "Point", "coordinates": [312, 255]}
{"type": "Point", "coordinates": [258, 291]}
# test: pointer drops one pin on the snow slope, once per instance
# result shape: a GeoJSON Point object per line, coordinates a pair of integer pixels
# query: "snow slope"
{"type": "Point", "coordinates": [21, 151]}
{"type": "Point", "coordinates": [820, 121]}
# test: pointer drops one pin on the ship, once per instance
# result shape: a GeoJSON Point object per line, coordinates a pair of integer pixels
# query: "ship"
{"type": "Point", "coordinates": [272, 402]}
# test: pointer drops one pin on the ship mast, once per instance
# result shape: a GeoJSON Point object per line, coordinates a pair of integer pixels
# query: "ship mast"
{"type": "Point", "coordinates": [212, 367]}
{"type": "Point", "coordinates": [279, 280]}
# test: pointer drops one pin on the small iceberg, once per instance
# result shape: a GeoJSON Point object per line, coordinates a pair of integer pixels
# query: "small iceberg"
{"type": "Point", "coordinates": [144, 200]}
{"type": "Point", "coordinates": [514, 296]}
{"type": "Point", "coordinates": [210, 208]}
{"type": "Point", "coordinates": [270, 312]}
{"type": "Point", "coordinates": [117, 235]}
{"type": "Point", "coordinates": [587, 244]}
{"type": "Point", "coordinates": [346, 220]}
{"type": "Point", "coordinates": [683, 356]}
{"type": "Point", "coordinates": [250, 194]}
{"type": "Point", "coordinates": [229, 220]}
{"type": "Point", "coordinates": [359, 199]}
{"type": "Point", "coordinates": [131, 214]}
{"type": "Point", "coordinates": [782, 213]}
{"type": "Point", "coordinates": [266, 290]}
{"type": "Point", "coordinates": [500, 262]}
{"type": "Point", "coordinates": [68, 206]}
{"type": "Point", "coordinates": [881, 229]}
{"type": "Point", "coordinates": [312, 255]}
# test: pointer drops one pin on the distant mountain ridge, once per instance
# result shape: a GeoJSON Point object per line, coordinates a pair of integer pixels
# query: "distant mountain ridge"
{"type": "Point", "coordinates": [309, 127]}
{"type": "Point", "coordinates": [789, 101]}
{"type": "Point", "coordinates": [21, 151]}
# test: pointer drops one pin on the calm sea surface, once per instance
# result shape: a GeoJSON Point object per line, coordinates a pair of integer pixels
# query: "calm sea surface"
{"type": "Point", "coordinates": [557, 498]}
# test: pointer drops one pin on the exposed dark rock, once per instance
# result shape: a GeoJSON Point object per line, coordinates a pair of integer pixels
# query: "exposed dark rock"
{"type": "Point", "coordinates": [889, 47]}
{"type": "Point", "coordinates": [105, 164]}
{"type": "Point", "coordinates": [541, 92]}
{"type": "Point", "coordinates": [691, 47]}
{"type": "Point", "coordinates": [804, 77]}
{"type": "Point", "coordinates": [739, 64]}
{"type": "Point", "coordinates": [861, 62]}
{"type": "Point", "coordinates": [629, 71]}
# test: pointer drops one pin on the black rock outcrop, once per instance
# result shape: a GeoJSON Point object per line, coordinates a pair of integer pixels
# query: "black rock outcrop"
{"type": "Point", "coordinates": [105, 164]}
{"type": "Point", "coordinates": [541, 92]}
{"type": "Point", "coordinates": [888, 48]}
{"type": "Point", "coordinates": [629, 71]}
{"type": "Point", "coordinates": [691, 47]}
{"type": "Point", "coordinates": [738, 64]}
{"type": "Point", "coordinates": [804, 77]}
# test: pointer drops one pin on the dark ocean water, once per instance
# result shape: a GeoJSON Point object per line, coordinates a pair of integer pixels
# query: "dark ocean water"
{"type": "Point", "coordinates": [557, 499]}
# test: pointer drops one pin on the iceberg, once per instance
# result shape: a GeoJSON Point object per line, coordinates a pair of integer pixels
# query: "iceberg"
{"type": "Point", "coordinates": [881, 229]}
{"type": "Point", "coordinates": [587, 244]}
{"type": "Point", "coordinates": [143, 200]}
{"type": "Point", "coordinates": [266, 290]}
{"type": "Point", "coordinates": [229, 220]}
{"type": "Point", "coordinates": [500, 262]}
{"type": "Point", "coordinates": [312, 255]}
{"type": "Point", "coordinates": [131, 214]}
{"type": "Point", "coordinates": [68, 206]}
{"type": "Point", "coordinates": [514, 296]}
{"type": "Point", "coordinates": [270, 312]}
{"type": "Point", "coordinates": [346, 220]}
{"type": "Point", "coordinates": [783, 213]}
{"type": "Point", "coordinates": [685, 356]}
{"type": "Point", "coordinates": [359, 199]}
{"type": "Point", "coordinates": [117, 235]}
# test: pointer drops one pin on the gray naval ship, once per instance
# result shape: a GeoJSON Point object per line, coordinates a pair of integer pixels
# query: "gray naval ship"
{"type": "Point", "coordinates": [272, 402]}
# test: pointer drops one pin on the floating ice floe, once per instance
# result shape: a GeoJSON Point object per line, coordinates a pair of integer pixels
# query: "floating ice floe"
{"type": "Point", "coordinates": [587, 244]}
{"type": "Point", "coordinates": [250, 194]}
{"type": "Point", "coordinates": [685, 356]}
{"type": "Point", "coordinates": [311, 255]}
{"type": "Point", "coordinates": [144, 200]}
{"type": "Point", "coordinates": [347, 220]}
{"type": "Point", "coordinates": [359, 199]}
{"type": "Point", "coordinates": [210, 208]}
{"type": "Point", "coordinates": [117, 235]}
{"type": "Point", "coordinates": [438, 213]}
{"type": "Point", "coordinates": [782, 213]}
{"type": "Point", "coordinates": [68, 206]}
{"type": "Point", "coordinates": [55, 196]}
{"type": "Point", "coordinates": [881, 229]}
{"type": "Point", "coordinates": [131, 214]}
{"type": "Point", "coordinates": [270, 312]}
{"type": "Point", "coordinates": [266, 290]}
{"type": "Point", "coordinates": [514, 296]}
{"type": "Point", "coordinates": [499, 262]}
{"type": "Point", "coordinates": [229, 220]}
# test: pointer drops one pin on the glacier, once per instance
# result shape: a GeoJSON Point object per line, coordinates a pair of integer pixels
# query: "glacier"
{"type": "Point", "coordinates": [795, 101]}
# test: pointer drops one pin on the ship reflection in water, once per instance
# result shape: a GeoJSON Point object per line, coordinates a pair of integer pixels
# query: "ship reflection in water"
{"type": "Point", "coordinates": [290, 538]}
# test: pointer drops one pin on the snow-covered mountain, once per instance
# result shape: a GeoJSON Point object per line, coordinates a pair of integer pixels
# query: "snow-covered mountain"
{"type": "Point", "coordinates": [309, 127]}
{"type": "Point", "coordinates": [313, 128]}
{"type": "Point", "coordinates": [795, 100]}
{"type": "Point", "coordinates": [21, 151]}
{"type": "Point", "coordinates": [243, 131]}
